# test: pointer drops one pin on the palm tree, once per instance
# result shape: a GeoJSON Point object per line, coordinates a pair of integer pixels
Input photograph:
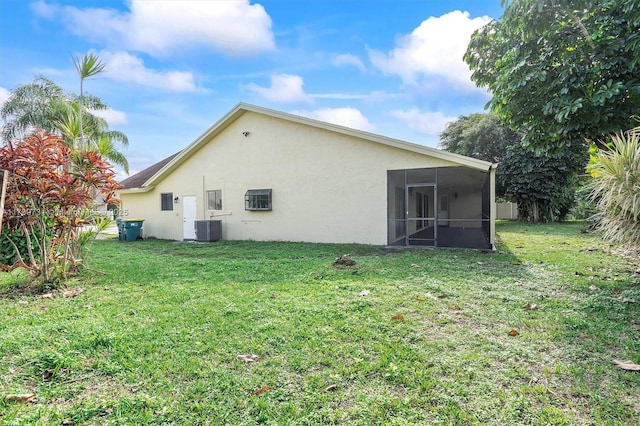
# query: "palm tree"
{"type": "Point", "coordinates": [97, 137]}
{"type": "Point", "coordinates": [87, 66]}
{"type": "Point", "coordinates": [42, 104]}
{"type": "Point", "coordinates": [33, 106]}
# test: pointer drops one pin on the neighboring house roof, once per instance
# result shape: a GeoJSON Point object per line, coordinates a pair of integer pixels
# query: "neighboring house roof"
{"type": "Point", "coordinates": [158, 171]}
{"type": "Point", "coordinates": [138, 180]}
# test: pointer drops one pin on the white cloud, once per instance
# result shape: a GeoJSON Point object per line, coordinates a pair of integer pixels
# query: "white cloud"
{"type": "Point", "coordinates": [348, 117]}
{"type": "Point", "coordinates": [122, 66]}
{"type": "Point", "coordinates": [113, 116]}
{"type": "Point", "coordinates": [426, 123]}
{"type": "Point", "coordinates": [347, 59]}
{"type": "Point", "coordinates": [285, 88]}
{"type": "Point", "coordinates": [435, 48]}
{"type": "Point", "coordinates": [160, 28]}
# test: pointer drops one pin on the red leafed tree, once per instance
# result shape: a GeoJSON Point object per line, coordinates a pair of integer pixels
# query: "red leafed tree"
{"type": "Point", "coordinates": [50, 193]}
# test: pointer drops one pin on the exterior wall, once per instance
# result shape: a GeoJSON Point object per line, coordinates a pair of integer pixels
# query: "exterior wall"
{"type": "Point", "coordinates": [466, 206]}
{"type": "Point", "coordinates": [327, 187]}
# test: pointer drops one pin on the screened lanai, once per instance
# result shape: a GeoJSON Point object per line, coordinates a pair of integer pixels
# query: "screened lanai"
{"type": "Point", "coordinates": [439, 207]}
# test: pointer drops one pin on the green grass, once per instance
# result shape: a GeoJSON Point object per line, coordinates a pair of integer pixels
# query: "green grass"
{"type": "Point", "coordinates": [155, 336]}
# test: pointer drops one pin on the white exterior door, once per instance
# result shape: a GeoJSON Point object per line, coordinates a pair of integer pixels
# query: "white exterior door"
{"type": "Point", "coordinates": [189, 217]}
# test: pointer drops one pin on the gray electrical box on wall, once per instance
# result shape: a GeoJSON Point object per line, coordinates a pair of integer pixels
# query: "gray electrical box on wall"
{"type": "Point", "coordinates": [208, 230]}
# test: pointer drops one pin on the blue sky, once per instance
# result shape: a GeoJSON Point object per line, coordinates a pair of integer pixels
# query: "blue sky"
{"type": "Point", "coordinates": [175, 67]}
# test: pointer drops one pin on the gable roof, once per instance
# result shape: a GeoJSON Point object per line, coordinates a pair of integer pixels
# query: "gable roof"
{"type": "Point", "coordinates": [155, 173]}
{"type": "Point", "coordinates": [138, 180]}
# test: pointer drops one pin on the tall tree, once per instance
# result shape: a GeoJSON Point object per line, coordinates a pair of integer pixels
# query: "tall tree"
{"type": "Point", "coordinates": [542, 183]}
{"type": "Point", "coordinates": [93, 135]}
{"type": "Point", "coordinates": [88, 65]}
{"type": "Point", "coordinates": [480, 136]}
{"type": "Point", "coordinates": [561, 71]}
{"type": "Point", "coordinates": [42, 104]}
{"type": "Point", "coordinates": [37, 105]}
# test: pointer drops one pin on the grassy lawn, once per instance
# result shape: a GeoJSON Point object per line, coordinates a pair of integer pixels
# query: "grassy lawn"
{"type": "Point", "coordinates": [155, 336]}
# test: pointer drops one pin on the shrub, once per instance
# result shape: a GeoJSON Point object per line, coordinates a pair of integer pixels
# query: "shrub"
{"type": "Point", "coordinates": [52, 190]}
{"type": "Point", "coordinates": [8, 254]}
{"type": "Point", "coordinates": [584, 207]}
{"type": "Point", "coordinates": [616, 189]}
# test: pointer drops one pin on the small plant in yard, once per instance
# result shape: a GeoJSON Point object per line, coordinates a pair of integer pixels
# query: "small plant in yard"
{"type": "Point", "coordinates": [51, 192]}
{"type": "Point", "coordinates": [616, 183]}
{"type": "Point", "coordinates": [248, 333]}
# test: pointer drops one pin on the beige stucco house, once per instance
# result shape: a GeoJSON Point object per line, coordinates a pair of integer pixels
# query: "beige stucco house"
{"type": "Point", "coordinates": [268, 175]}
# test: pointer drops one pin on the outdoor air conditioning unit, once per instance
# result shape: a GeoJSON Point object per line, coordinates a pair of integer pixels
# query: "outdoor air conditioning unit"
{"type": "Point", "coordinates": [208, 230]}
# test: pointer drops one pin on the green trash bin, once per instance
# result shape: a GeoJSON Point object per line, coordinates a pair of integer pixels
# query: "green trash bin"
{"type": "Point", "coordinates": [120, 225]}
{"type": "Point", "coordinates": [132, 229]}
